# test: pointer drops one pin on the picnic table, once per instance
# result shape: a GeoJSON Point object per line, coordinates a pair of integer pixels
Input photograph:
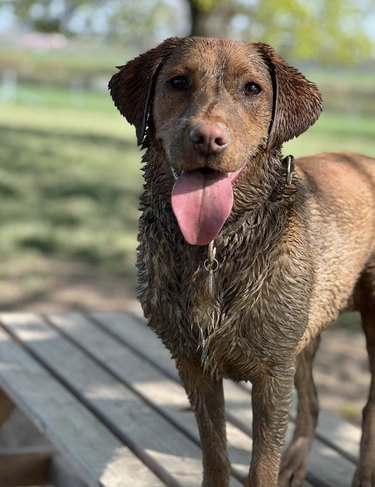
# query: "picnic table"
{"type": "Point", "coordinates": [105, 394]}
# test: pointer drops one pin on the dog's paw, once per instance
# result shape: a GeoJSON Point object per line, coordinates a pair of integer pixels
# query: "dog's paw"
{"type": "Point", "coordinates": [364, 476]}
{"type": "Point", "coordinates": [294, 463]}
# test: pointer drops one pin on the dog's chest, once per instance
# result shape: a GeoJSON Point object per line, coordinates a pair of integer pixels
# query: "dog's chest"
{"type": "Point", "coordinates": [231, 321]}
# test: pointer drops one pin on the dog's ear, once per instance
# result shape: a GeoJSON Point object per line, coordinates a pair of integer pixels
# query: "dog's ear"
{"type": "Point", "coordinates": [297, 102]}
{"type": "Point", "coordinates": [132, 87]}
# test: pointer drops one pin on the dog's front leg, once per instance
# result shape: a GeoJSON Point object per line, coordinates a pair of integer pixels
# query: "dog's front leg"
{"type": "Point", "coordinates": [271, 396]}
{"type": "Point", "coordinates": [207, 399]}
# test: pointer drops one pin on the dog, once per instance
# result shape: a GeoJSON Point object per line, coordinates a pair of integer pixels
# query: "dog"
{"type": "Point", "coordinates": [245, 256]}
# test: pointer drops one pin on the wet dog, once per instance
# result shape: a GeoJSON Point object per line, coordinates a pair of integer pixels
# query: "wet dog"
{"type": "Point", "coordinates": [244, 259]}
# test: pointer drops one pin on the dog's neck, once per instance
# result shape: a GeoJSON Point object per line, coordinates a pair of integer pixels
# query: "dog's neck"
{"type": "Point", "coordinates": [263, 191]}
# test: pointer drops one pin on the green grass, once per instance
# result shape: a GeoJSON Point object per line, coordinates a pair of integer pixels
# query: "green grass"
{"type": "Point", "coordinates": [334, 131]}
{"type": "Point", "coordinates": [354, 79]}
{"type": "Point", "coordinates": [70, 176]}
{"type": "Point", "coordinates": [69, 184]}
{"type": "Point", "coordinates": [79, 60]}
{"type": "Point", "coordinates": [42, 96]}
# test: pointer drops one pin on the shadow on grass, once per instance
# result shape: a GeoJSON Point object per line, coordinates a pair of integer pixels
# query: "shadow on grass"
{"type": "Point", "coordinates": [69, 196]}
{"type": "Point", "coordinates": [94, 139]}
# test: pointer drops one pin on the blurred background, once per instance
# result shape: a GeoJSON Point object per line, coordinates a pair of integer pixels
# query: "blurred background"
{"type": "Point", "coordinates": [69, 166]}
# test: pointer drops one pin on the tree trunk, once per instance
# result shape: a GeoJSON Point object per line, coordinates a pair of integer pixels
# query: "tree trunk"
{"type": "Point", "coordinates": [212, 22]}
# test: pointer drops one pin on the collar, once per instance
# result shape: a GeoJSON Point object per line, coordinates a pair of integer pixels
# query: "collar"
{"type": "Point", "coordinates": [289, 165]}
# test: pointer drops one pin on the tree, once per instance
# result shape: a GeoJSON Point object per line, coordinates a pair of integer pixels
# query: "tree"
{"type": "Point", "coordinates": [212, 18]}
{"type": "Point", "coordinates": [132, 22]}
{"type": "Point", "coordinates": [327, 30]}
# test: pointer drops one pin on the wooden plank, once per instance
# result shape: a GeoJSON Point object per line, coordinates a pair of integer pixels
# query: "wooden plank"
{"type": "Point", "coordinates": [239, 402]}
{"type": "Point", "coordinates": [135, 333]}
{"type": "Point", "coordinates": [343, 436]}
{"type": "Point", "coordinates": [325, 462]}
{"type": "Point", "coordinates": [24, 466]}
{"type": "Point", "coordinates": [163, 393]}
{"type": "Point", "coordinates": [99, 458]}
{"type": "Point", "coordinates": [160, 445]}
{"type": "Point", "coordinates": [61, 474]}
{"type": "Point", "coordinates": [6, 407]}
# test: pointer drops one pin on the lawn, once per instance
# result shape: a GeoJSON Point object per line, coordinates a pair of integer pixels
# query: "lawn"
{"type": "Point", "coordinates": [337, 131]}
{"type": "Point", "coordinates": [69, 184]}
{"type": "Point", "coordinates": [70, 179]}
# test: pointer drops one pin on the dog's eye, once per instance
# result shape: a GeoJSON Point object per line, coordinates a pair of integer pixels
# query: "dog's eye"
{"type": "Point", "coordinates": [180, 83]}
{"type": "Point", "coordinates": [252, 89]}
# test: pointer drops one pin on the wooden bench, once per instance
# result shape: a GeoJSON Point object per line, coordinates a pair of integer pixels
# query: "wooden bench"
{"type": "Point", "coordinates": [103, 391]}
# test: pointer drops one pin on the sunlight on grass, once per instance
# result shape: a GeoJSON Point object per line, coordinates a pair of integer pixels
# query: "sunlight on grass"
{"type": "Point", "coordinates": [336, 132]}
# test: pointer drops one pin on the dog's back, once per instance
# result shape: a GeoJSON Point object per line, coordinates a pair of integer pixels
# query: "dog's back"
{"type": "Point", "coordinates": [342, 210]}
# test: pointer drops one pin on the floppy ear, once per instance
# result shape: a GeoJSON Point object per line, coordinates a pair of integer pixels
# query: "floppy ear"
{"type": "Point", "coordinates": [297, 102]}
{"type": "Point", "coordinates": [132, 87]}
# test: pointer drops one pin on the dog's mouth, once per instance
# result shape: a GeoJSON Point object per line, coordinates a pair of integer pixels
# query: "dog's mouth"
{"type": "Point", "coordinates": [202, 201]}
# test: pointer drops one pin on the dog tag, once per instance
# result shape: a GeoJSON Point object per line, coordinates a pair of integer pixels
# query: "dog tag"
{"type": "Point", "coordinates": [211, 265]}
{"type": "Point", "coordinates": [211, 282]}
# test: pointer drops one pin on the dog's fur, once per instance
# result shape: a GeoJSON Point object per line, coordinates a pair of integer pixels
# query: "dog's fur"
{"type": "Point", "coordinates": [290, 256]}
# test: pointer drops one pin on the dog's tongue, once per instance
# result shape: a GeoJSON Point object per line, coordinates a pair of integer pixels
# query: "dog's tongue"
{"type": "Point", "coordinates": [202, 202]}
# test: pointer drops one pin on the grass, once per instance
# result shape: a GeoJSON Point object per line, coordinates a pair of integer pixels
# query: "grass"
{"type": "Point", "coordinates": [70, 178]}
{"type": "Point", "coordinates": [77, 61]}
{"type": "Point", "coordinates": [69, 183]}
{"type": "Point", "coordinates": [337, 131]}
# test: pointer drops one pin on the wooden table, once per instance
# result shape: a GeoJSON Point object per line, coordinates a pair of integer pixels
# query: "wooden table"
{"type": "Point", "coordinates": [104, 392]}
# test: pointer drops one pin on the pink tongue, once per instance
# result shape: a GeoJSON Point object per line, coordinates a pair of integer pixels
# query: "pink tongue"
{"type": "Point", "coordinates": [202, 202]}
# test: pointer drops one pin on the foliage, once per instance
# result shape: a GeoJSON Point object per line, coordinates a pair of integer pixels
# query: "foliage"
{"type": "Point", "coordinates": [327, 30]}
{"type": "Point", "coordinates": [132, 22]}
{"type": "Point", "coordinates": [46, 16]}
{"type": "Point", "coordinates": [204, 5]}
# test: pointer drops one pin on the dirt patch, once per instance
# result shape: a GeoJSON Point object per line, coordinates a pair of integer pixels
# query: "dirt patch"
{"type": "Point", "coordinates": [54, 286]}
{"type": "Point", "coordinates": [342, 372]}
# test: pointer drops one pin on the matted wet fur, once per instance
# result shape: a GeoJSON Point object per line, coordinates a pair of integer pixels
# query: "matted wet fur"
{"type": "Point", "coordinates": [290, 256]}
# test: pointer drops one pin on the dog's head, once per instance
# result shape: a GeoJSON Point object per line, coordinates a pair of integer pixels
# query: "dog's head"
{"type": "Point", "coordinates": [214, 105]}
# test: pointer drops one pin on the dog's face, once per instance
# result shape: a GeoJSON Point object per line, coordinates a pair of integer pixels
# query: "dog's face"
{"type": "Point", "coordinates": [214, 105]}
{"type": "Point", "coordinates": [224, 71]}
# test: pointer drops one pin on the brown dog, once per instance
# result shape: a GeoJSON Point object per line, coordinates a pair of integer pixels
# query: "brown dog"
{"type": "Point", "coordinates": [243, 260]}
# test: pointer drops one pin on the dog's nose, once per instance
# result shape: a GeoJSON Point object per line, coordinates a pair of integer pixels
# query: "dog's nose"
{"type": "Point", "coordinates": [210, 137]}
